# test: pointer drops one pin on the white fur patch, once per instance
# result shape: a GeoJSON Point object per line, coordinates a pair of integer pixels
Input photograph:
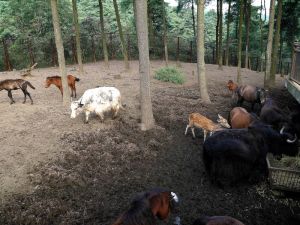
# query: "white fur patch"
{"type": "Point", "coordinates": [175, 197]}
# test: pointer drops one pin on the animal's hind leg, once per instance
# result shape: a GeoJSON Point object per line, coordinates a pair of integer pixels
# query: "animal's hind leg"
{"type": "Point", "coordinates": [10, 96]}
{"type": "Point", "coordinates": [186, 129]}
{"type": "Point", "coordinates": [29, 97]}
{"type": "Point", "coordinates": [24, 92]}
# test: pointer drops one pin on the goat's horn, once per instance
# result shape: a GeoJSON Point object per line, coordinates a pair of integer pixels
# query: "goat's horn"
{"type": "Point", "coordinates": [281, 130]}
{"type": "Point", "coordinates": [292, 141]}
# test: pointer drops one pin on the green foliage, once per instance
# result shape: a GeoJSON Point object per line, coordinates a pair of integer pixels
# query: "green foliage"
{"type": "Point", "coordinates": [169, 74]}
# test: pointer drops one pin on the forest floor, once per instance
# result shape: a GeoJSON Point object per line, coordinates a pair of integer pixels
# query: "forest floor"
{"type": "Point", "coordinates": [57, 170]}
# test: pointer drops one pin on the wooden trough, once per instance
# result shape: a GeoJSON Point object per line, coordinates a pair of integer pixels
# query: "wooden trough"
{"type": "Point", "coordinates": [285, 179]}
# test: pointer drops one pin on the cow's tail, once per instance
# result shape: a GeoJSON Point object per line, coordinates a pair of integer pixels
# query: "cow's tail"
{"type": "Point", "coordinates": [30, 85]}
{"type": "Point", "coordinates": [77, 79]}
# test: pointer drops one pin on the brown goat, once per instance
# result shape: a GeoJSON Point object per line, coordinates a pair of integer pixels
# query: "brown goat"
{"type": "Point", "coordinates": [11, 84]}
{"type": "Point", "coordinates": [240, 118]}
{"type": "Point", "coordinates": [200, 121]}
{"type": "Point", "coordinates": [56, 80]}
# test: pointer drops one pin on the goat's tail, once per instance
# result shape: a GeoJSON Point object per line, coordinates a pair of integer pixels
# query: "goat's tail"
{"type": "Point", "coordinates": [77, 79]}
{"type": "Point", "coordinates": [30, 85]}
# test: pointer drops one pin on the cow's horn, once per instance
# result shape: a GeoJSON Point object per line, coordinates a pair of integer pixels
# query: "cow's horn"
{"type": "Point", "coordinates": [292, 141]}
{"type": "Point", "coordinates": [281, 130]}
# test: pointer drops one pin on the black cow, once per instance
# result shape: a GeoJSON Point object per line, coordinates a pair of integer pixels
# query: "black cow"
{"type": "Point", "coordinates": [232, 155]}
{"type": "Point", "coordinates": [271, 114]}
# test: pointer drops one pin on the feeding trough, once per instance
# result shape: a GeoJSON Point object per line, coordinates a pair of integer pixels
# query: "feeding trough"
{"type": "Point", "coordinates": [281, 177]}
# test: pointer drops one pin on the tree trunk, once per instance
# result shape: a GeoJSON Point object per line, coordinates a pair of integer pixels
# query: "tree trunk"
{"type": "Point", "coordinates": [261, 35]}
{"type": "Point", "coordinates": [201, 52]}
{"type": "Point", "coordinates": [123, 46]}
{"type": "Point", "coordinates": [74, 53]}
{"type": "Point", "coordinates": [60, 52]}
{"type": "Point", "coordinates": [31, 55]}
{"type": "Point", "coordinates": [193, 17]}
{"type": "Point", "coordinates": [7, 63]}
{"type": "Point", "coordinates": [165, 33]}
{"type": "Point", "coordinates": [53, 53]}
{"type": "Point", "coordinates": [217, 31]}
{"type": "Point", "coordinates": [147, 120]}
{"type": "Point", "coordinates": [239, 80]}
{"type": "Point", "coordinates": [104, 43]}
{"type": "Point", "coordinates": [269, 45]}
{"type": "Point", "coordinates": [248, 8]}
{"type": "Point", "coordinates": [93, 48]}
{"type": "Point", "coordinates": [228, 28]}
{"type": "Point", "coordinates": [220, 61]}
{"type": "Point", "coordinates": [77, 33]}
{"type": "Point", "coordinates": [276, 43]}
{"type": "Point", "coordinates": [151, 32]}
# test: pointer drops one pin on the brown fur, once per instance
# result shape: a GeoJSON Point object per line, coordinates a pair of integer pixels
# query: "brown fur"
{"type": "Point", "coordinates": [146, 207]}
{"type": "Point", "coordinates": [240, 118]}
{"type": "Point", "coordinates": [200, 121]}
{"type": "Point", "coordinates": [56, 80]}
{"type": "Point", "coordinates": [14, 84]}
{"type": "Point", "coordinates": [232, 86]}
{"type": "Point", "coordinates": [217, 220]}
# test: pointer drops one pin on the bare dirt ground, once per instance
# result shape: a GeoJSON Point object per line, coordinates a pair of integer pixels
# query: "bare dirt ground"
{"type": "Point", "coordinates": [55, 170]}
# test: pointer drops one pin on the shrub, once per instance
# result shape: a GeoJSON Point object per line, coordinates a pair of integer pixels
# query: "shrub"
{"type": "Point", "coordinates": [169, 74]}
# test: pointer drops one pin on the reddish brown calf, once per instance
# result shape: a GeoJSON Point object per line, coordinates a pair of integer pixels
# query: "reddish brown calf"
{"type": "Point", "coordinates": [56, 80]}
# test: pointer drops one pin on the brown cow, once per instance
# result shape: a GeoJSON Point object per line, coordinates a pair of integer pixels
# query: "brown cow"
{"type": "Point", "coordinates": [240, 118]}
{"type": "Point", "coordinates": [56, 80]}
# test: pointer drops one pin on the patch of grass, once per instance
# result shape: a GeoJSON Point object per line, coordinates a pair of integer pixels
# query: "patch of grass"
{"type": "Point", "coordinates": [170, 74]}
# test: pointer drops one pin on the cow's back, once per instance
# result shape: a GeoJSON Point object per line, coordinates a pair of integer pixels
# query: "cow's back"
{"type": "Point", "coordinates": [248, 92]}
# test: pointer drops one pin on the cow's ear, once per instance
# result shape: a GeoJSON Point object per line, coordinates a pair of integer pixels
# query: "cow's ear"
{"type": "Point", "coordinates": [220, 117]}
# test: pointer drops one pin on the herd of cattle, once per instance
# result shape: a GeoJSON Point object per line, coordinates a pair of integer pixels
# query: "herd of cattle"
{"type": "Point", "coordinates": [232, 155]}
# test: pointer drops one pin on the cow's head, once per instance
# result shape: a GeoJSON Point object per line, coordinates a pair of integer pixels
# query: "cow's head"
{"type": "Point", "coordinates": [76, 108]}
{"type": "Point", "coordinates": [222, 121]}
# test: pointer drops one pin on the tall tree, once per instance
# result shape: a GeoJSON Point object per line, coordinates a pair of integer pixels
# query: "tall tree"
{"type": "Point", "coordinates": [261, 37]}
{"type": "Point", "coordinates": [123, 45]}
{"type": "Point", "coordinates": [103, 34]}
{"type": "Point", "coordinates": [217, 31]}
{"type": "Point", "coordinates": [248, 23]}
{"type": "Point", "coordinates": [228, 29]}
{"type": "Point", "coordinates": [77, 34]}
{"type": "Point", "coordinates": [276, 43]}
{"type": "Point", "coordinates": [220, 60]}
{"type": "Point", "coordinates": [200, 53]}
{"type": "Point", "coordinates": [241, 12]}
{"type": "Point", "coordinates": [269, 45]}
{"type": "Point", "coordinates": [193, 17]}
{"type": "Point", "coordinates": [165, 32]}
{"type": "Point", "coordinates": [147, 120]}
{"type": "Point", "coordinates": [60, 52]}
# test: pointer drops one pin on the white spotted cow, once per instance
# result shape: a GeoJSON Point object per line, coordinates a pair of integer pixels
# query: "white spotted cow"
{"type": "Point", "coordinates": [97, 100]}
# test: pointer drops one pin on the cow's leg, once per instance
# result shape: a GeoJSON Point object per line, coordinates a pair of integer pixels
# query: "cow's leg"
{"type": "Point", "coordinates": [87, 113]}
{"type": "Point", "coordinates": [115, 111]}
{"type": "Point", "coordinates": [186, 129]}
{"type": "Point", "coordinates": [10, 96]}
{"type": "Point", "coordinates": [74, 90]}
{"type": "Point", "coordinates": [193, 132]}
{"type": "Point", "coordinates": [61, 90]}
{"type": "Point", "coordinates": [204, 133]}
